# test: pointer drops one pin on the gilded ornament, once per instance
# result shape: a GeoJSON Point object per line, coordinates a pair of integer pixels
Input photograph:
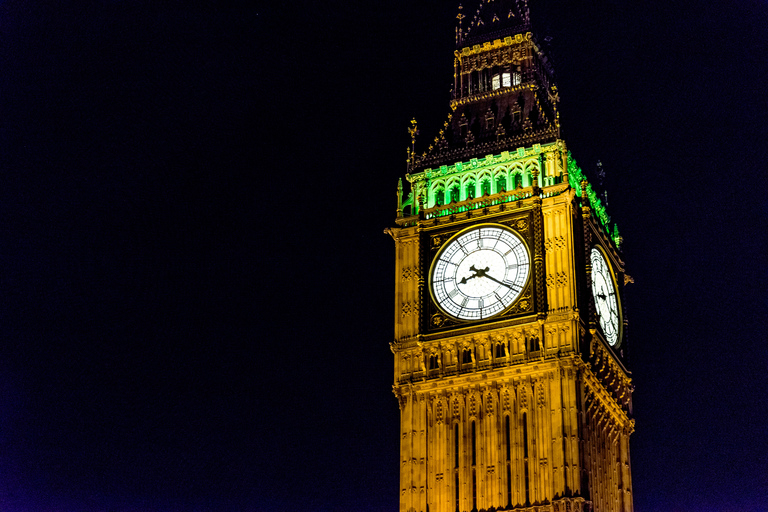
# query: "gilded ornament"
{"type": "Point", "coordinates": [437, 241]}
{"type": "Point", "coordinates": [438, 320]}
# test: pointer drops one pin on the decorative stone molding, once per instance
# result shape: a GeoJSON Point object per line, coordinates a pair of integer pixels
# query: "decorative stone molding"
{"type": "Point", "coordinates": [523, 398]}
{"type": "Point", "coordinates": [554, 244]}
{"type": "Point", "coordinates": [472, 405]}
{"type": "Point", "coordinates": [409, 308]}
{"type": "Point", "coordinates": [439, 411]}
{"type": "Point", "coordinates": [557, 280]}
{"type": "Point", "coordinates": [410, 273]}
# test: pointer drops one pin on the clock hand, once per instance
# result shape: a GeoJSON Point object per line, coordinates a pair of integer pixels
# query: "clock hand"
{"type": "Point", "coordinates": [477, 273]}
{"type": "Point", "coordinates": [500, 282]}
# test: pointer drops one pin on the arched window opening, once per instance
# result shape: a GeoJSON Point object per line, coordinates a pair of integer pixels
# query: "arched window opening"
{"type": "Point", "coordinates": [501, 184]}
{"type": "Point", "coordinates": [455, 194]}
{"type": "Point", "coordinates": [474, 464]}
{"type": "Point", "coordinates": [466, 357]}
{"type": "Point", "coordinates": [508, 439]}
{"type": "Point", "coordinates": [516, 77]}
{"type": "Point", "coordinates": [474, 445]}
{"type": "Point", "coordinates": [470, 190]}
{"type": "Point", "coordinates": [439, 197]}
{"type": "Point", "coordinates": [456, 486]}
{"type": "Point", "coordinates": [525, 459]}
{"type": "Point", "coordinates": [500, 350]}
{"type": "Point", "coordinates": [433, 362]}
{"type": "Point", "coordinates": [485, 187]}
{"type": "Point", "coordinates": [456, 464]}
{"type": "Point", "coordinates": [456, 445]}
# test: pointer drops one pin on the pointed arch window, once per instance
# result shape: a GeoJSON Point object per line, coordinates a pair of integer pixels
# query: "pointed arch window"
{"type": "Point", "coordinates": [525, 459]}
{"type": "Point", "coordinates": [456, 463]}
{"type": "Point", "coordinates": [508, 440]}
{"type": "Point", "coordinates": [474, 469]}
{"type": "Point", "coordinates": [485, 187]}
{"type": "Point", "coordinates": [470, 190]}
{"type": "Point", "coordinates": [501, 184]}
{"type": "Point", "coordinates": [439, 197]}
{"type": "Point", "coordinates": [455, 194]}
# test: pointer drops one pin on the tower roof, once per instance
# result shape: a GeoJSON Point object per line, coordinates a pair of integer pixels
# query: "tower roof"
{"type": "Point", "coordinates": [494, 19]}
{"type": "Point", "coordinates": [504, 96]}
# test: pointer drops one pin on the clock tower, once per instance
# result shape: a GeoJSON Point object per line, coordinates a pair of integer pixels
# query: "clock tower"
{"type": "Point", "coordinates": [510, 333]}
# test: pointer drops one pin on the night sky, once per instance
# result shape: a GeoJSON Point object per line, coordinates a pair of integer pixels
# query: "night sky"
{"type": "Point", "coordinates": [196, 296]}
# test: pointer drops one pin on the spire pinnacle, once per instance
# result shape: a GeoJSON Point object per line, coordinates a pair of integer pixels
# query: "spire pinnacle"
{"type": "Point", "coordinates": [413, 131]}
{"type": "Point", "coordinates": [460, 28]}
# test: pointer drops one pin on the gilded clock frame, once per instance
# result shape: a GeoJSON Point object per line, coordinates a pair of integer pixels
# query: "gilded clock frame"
{"type": "Point", "coordinates": [436, 320]}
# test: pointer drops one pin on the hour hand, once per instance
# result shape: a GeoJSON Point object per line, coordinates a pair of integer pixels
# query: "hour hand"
{"type": "Point", "coordinates": [477, 273]}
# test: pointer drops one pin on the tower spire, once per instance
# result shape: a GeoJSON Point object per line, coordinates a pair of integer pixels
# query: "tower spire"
{"type": "Point", "coordinates": [460, 28]}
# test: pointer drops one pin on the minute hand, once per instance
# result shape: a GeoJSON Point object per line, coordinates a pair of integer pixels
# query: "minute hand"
{"type": "Point", "coordinates": [500, 282]}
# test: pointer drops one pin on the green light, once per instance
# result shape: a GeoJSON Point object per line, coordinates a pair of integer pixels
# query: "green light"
{"type": "Point", "coordinates": [575, 177]}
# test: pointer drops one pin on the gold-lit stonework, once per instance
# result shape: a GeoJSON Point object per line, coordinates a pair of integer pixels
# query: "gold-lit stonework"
{"type": "Point", "coordinates": [528, 408]}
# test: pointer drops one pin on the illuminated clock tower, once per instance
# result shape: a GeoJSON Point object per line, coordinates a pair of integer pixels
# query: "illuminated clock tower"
{"type": "Point", "coordinates": [510, 333]}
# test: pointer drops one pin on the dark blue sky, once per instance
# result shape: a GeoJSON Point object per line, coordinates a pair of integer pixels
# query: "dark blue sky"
{"type": "Point", "coordinates": [195, 291]}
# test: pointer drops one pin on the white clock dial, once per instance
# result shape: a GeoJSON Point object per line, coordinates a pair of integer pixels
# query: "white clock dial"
{"type": "Point", "coordinates": [606, 299]}
{"type": "Point", "coordinates": [480, 272]}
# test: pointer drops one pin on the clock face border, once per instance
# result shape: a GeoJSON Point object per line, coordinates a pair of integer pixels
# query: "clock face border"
{"type": "Point", "coordinates": [615, 283]}
{"type": "Point", "coordinates": [524, 292]}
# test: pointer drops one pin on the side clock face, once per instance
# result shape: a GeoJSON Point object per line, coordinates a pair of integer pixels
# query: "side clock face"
{"type": "Point", "coordinates": [606, 299]}
{"type": "Point", "coordinates": [480, 272]}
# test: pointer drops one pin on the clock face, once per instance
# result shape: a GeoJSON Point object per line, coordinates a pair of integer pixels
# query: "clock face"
{"type": "Point", "coordinates": [480, 272]}
{"type": "Point", "coordinates": [606, 299]}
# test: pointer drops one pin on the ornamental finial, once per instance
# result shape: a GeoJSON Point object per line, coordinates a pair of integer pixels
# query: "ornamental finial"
{"type": "Point", "coordinates": [459, 29]}
{"type": "Point", "coordinates": [413, 131]}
